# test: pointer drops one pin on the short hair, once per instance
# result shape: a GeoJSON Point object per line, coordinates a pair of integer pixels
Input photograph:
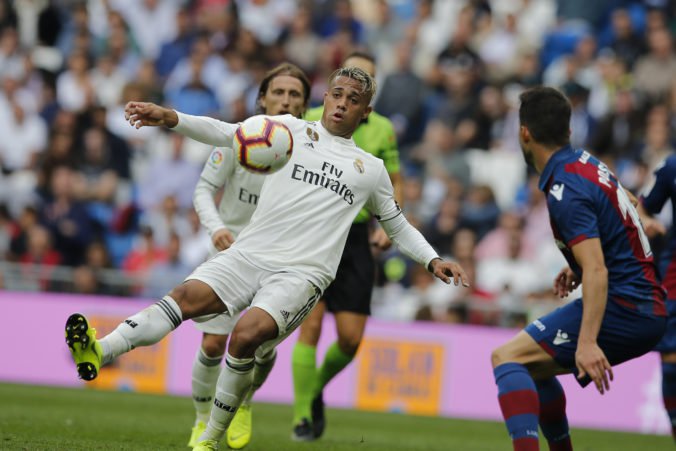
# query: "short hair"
{"type": "Point", "coordinates": [545, 112]}
{"type": "Point", "coordinates": [286, 69]}
{"type": "Point", "coordinates": [361, 54]}
{"type": "Point", "coordinates": [367, 82]}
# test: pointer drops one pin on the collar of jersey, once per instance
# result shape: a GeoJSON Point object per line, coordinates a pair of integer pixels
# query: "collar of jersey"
{"type": "Point", "coordinates": [557, 157]}
{"type": "Point", "coordinates": [324, 132]}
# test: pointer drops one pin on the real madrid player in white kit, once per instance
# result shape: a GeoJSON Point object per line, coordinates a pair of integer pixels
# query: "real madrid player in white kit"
{"type": "Point", "coordinates": [284, 258]}
{"type": "Point", "coordinates": [284, 90]}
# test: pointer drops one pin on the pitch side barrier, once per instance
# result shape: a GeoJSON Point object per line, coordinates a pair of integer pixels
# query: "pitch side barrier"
{"type": "Point", "coordinates": [416, 368]}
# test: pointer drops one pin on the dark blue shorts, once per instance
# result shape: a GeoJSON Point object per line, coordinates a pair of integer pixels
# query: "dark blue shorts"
{"type": "Point", "coordinates": [668, 342]}
{"type": "Point", "coordinates": [625, 334]}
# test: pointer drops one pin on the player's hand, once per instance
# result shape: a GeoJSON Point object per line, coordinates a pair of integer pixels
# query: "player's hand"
{"type": "Point", "coordinates": [222, 239]}
{"type": "Point", "coordinates": [590, 360]}
{"type": "Point", "coordinates": [565, 282]}
{"type": "Point", "coordinates": [653, 227]}
{"type": "Point", "coordinates": [445, 270]}
{"type": "Point", "coordinates": [141, 114]}
{"type": "Point", "coordinates": [380, 239]}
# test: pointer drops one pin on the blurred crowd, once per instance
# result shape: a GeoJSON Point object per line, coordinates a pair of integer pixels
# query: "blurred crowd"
{"type": "Point", "coordinates": [83, 192]}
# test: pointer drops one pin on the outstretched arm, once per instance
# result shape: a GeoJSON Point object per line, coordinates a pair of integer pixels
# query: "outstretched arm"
{"type": "Point", "coordinates": [409, 240]}
{"type": "Point", "coordinates": [146, 114]}
{"type": "Point", "coordinates": [200, 128]}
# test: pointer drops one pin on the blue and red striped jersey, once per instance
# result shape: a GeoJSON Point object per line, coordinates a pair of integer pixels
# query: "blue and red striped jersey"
{"type": "Point", "coordinates": [585, 201]}
{"type": "Point", "coordinates": [663, 190]}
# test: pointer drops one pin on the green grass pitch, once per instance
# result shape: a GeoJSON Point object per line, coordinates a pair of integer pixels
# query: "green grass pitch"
{"type": "Point", "coordinates": [48, 418]}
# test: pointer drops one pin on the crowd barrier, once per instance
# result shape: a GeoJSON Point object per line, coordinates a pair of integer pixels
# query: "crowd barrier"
{"type": "Point", "coordinates": [416, 368]}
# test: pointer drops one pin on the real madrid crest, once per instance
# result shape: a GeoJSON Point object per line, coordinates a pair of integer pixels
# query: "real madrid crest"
{"type": "Point", "coordinates": [312, 134]}
{"type": "Point", "coordinates": [358, 165]}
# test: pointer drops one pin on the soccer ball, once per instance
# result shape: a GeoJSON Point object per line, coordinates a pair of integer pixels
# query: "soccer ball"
{"type": "Point", "coordinates": [262, 145]}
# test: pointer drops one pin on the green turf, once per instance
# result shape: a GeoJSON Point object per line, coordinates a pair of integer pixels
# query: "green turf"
{"type": "Point", "coordinates": [47, 418]}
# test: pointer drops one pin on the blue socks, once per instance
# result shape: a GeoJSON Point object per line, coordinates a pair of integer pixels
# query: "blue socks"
{"type": "Point", "coordinates": [520, 405]}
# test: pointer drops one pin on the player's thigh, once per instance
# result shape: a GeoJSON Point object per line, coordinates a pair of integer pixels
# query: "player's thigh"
{"type": "Point", "coordinates": [288, 299]}
{"type": "Point", "coordinates": [232, 278]}
{"type": "Point", "coordinates": [523, 349]}
{"type": "Point", "coordinates": [213, 345]}
{"type": "Point", "coordinates": [350, 328]}
{"type": "Point", "coordinates": [311, 327]}
{"type": "Point", "coordinates": [196, 298]}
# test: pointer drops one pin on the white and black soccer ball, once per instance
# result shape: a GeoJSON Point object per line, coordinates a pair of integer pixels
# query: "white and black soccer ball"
{"type": "Point", "coordinates": [263, 145]}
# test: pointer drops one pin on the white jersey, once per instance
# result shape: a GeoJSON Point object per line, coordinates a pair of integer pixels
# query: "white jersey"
{"type": "Point", "coordinates": [306, 209]}
{"type": "Point", "coordinates": [240, 195]}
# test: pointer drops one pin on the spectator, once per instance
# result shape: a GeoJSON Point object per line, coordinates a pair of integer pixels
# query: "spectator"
{"type": "Point", "coordinates": [164, 275]}
{"type": "Point", "coordinates": [66, 217]}
{"type": "Point", "coordinates": [401, 98]}
{"type": "Point", "coordinates": [654, 73]}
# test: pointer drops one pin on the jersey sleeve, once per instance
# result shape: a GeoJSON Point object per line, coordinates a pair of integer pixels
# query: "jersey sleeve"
{"type": "Point", "coordinates": [381, 201]}
{"type": "Point", "coordinates": [206, 129]}
{"type": "Point", "coordinates": [572, 211]}
{"type": "Point", "coordinates": [657, 196]}
{"type": "Point", "coordinates": [219, 167]}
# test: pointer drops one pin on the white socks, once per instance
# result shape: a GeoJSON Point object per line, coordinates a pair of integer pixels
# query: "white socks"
{"type": "Point", "coordinates": [205, 371]}
{"type": "Point", "coordinates": [147, 327]}
{"type": "Point", "coordinates": [232, 386]}
{"type": "Point", "coordinates": [263, 366]}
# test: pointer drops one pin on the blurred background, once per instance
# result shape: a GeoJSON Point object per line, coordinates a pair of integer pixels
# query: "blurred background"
{"type": "Point", "coordinates": [90, 205]}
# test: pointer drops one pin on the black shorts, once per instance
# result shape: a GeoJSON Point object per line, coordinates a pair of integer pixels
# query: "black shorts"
{"type": "Point", "coordinates": [351, 290]}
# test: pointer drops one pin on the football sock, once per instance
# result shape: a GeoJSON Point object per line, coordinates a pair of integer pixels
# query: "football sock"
{"type": "Point", "coordinates": [669, 393]}
{"type": "Point", "coordinates": [553, 420]}
{"type": "Point", "coordinates": [205, 371]}
{"type": "Point", "coordinates": [262, 367]}
{"type": "Point", "coordinates": [334, 362]}
{"type": "Point", "coordinates": [304, 367]}
{"type": "Point", "coordinates": [233, 384]}
{"type": "Point", "coordinates": [519, 404]}
{"type": "Point", "coordinates": [145, 328]}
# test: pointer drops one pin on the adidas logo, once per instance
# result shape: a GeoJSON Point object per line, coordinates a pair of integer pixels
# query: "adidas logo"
{"type": "Point", "coordinates": [131, 323]}
{"type": "Point", "coordinates": [285, 314]}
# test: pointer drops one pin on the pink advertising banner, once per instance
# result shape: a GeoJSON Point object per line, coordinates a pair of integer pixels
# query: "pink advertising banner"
{"type": "Point", "coordinates": [419, 368]}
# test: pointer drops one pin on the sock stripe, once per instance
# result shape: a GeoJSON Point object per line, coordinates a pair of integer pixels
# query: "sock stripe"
{"type": "Point", "coordinates": [670, 402]}
{"type": "Point", "coordinates": [269, 357]}
{"type": "Point", "coordinates": [518, 402]}
{"type": "Point", "coordinates": [526, 444]}
{"type": "Point", "coordinates": [240, 367]}
{"type": "Point", "coordinates": [171, 314]}
{"type": "Point", "coordinates": [552, 411]}
{"type": "Point", "coordinates": [208, 361]}
{"type": "Point", "coordinates": [523, 425]}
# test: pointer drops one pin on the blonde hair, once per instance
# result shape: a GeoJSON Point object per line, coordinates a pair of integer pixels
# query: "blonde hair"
{"type": "Point", "coordinates": [367, 82]}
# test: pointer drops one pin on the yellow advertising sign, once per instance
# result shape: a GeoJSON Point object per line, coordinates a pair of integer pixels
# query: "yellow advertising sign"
{"type": "Point", "coordinates": [401, 376]}
{"type": "Point", "coordinates": [144, 370]}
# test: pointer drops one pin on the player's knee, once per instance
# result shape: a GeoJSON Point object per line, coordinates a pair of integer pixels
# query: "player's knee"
{"type": "Point", "coordinates": [214, 345]}
{"type": "Point", "coordinates": [310, 330]}
{"type": "Point", "coordinates": [501, 355]}
{"type": "Point", "coordinates": [245, 340]}
{"type": "Point", "coordinates": [349, 344]}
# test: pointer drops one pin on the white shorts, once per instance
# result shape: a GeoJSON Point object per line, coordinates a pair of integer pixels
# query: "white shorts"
{"type": "Point", "coordinates": [287, 297]}
{"type": "Point", "coordinates": [221, 324]}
